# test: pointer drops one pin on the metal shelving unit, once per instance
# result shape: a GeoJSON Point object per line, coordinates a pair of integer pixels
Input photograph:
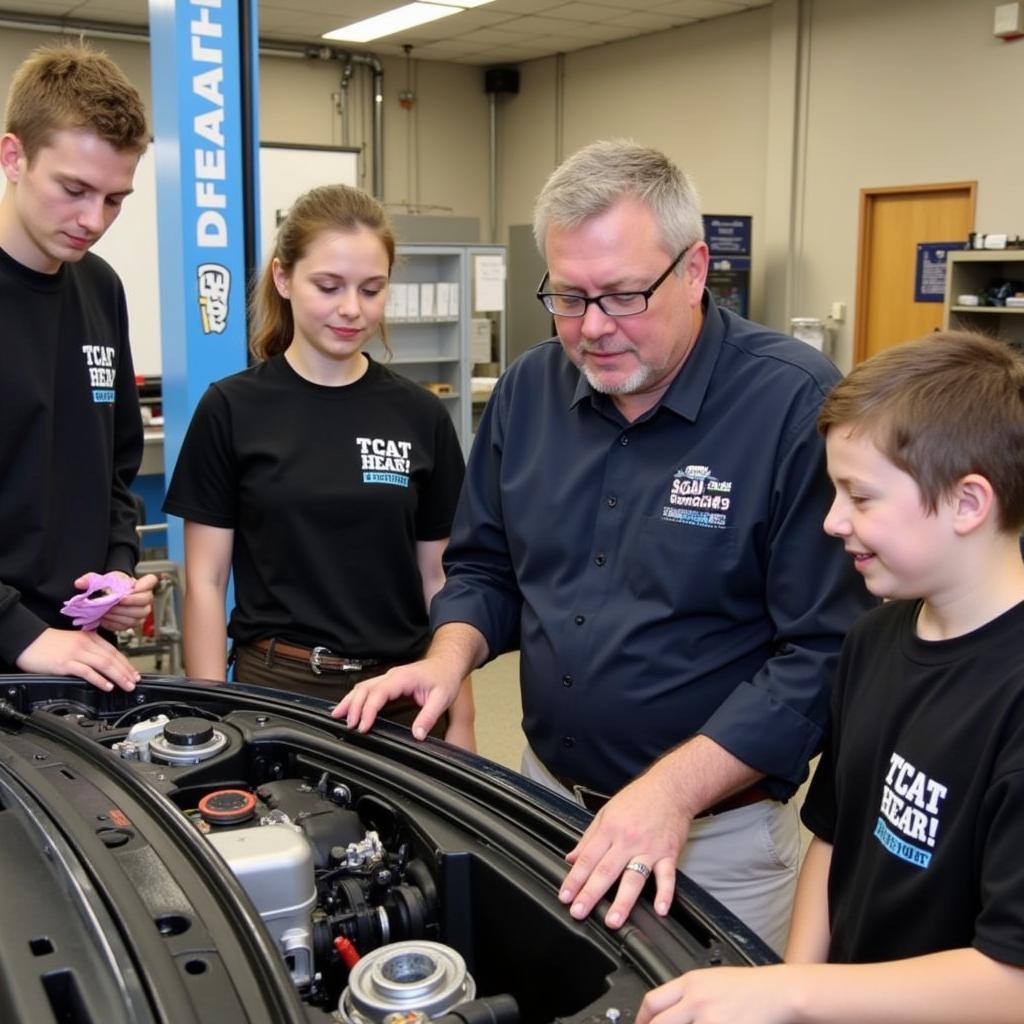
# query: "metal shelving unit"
{"type": "Point", "coordinates": [435, 350]}
{"type": "Point", "coordinates": [970, 272]}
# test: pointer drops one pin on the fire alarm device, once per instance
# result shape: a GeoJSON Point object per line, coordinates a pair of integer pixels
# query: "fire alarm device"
{"type": "Point", "coordinates": [1009, 21]}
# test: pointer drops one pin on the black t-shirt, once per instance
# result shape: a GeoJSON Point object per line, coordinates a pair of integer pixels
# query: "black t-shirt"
{"type": "Point", "coordinates": [328, 490]}
{"type": "Point", "coordinates": [920, 791]}
{"type": "Point", "coordinates": [70, 441]}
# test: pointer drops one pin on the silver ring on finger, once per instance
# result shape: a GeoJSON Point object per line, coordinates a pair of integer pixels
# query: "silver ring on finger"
{"type": "Point", "coordinates": [640, 868]}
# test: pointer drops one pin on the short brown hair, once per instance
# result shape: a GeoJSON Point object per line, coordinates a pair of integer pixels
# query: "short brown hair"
{"type": "Point", "coordinates": [327, 208]}
{"type": "Point", "coordinates": [73, 86]}
{"type": "Point", "coordinates": [939, 408]}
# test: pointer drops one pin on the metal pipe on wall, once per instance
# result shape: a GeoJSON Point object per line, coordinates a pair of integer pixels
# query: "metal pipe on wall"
{"type": "Point", "coordinates": [494, 166]}
{"type": "Point", "coordinates": [69, 26]}
{"type": "Point", "coordinates": [378, 125]}
{"type": "Point", "coordinates": [346, 77]}
{"type": "Point", "coordinates": [275, 49]}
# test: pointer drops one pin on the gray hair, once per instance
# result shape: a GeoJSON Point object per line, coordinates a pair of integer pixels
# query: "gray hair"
{"type": "Point", "coordinates": [596, 177]}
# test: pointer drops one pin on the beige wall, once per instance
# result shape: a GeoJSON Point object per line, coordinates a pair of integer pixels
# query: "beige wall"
{"type": "Point", "coordinates": [435, 154]}
{"type": "Point", "coordinates": [697, 93]}
{"type": "Point", "coordinates": [786, 113]}
{"type": "Point", "coordinates": [783, 112]}
{"type": "Point", "coordinates": [16, 44]}
{"type": "Point", "coordinates": [901, 94]}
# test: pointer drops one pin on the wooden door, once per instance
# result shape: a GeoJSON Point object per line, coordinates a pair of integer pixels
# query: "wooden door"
{"type": "Point", "coordinates": [892, 223]}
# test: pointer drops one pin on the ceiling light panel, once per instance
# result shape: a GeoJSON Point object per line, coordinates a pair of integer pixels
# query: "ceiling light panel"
{"type": "Point", "coordinates": [390, 22]}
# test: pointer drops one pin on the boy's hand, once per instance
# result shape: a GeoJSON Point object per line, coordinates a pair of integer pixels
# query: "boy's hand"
{"type": "Point", "coordinates": [70, 652]}
{"type": "Point", "coordinates": [130, 610]}
{"type": "Point", "coordinates": [720, 995]}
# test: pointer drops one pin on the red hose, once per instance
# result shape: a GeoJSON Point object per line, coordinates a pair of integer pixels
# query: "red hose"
{"type": "Point", "coordinates": [348, 952]}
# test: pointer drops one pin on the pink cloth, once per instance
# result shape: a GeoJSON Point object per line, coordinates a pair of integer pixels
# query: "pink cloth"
{"type": "Point", "coordinates": [101, 593]}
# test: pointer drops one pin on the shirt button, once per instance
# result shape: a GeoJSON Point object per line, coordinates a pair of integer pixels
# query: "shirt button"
{"type": "Point", "coordinates": [600, 559]}
{"type": "Point", "coordinates": [567, 680]}
{"type": "Point", "coordinates": [568, 741]}
{"type": "Point", "coordinates": [611, 501]}
{"type": "Point", "coordinates": [624, 440]}
{"type": "Point", "coordinates": [580, 619]}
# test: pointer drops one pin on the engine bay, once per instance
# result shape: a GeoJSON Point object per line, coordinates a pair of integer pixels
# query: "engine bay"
{"type": "Point", "coordinates": [331, 892]}
{"type": "Point", "coordinates": [389, 894]}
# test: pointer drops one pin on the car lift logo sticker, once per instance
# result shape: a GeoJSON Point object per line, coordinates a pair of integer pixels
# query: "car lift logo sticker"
{"type": "Point", "coordinates": [214, 290]}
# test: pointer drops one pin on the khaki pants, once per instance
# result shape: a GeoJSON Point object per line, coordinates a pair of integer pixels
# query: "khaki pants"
{"type": "Point", "coordinates": [748, 858]}
{"type": "Point", "coordinates": [263, 669]}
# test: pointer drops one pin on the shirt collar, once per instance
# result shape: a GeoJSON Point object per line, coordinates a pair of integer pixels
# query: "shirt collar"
{"type": "Point", "coordinates": [685, 394]}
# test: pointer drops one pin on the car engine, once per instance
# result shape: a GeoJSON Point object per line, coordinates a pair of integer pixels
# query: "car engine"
{"type": "Point", "coordinates": [299, 872]}
{"type": "Point", "coordinates": [335, 899]}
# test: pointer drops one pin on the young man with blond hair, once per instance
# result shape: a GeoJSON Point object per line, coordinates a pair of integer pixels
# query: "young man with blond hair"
{"type": "Point", "coordinates": [910, 906]}
{"type": "Point", "coordinates": [71, 437]}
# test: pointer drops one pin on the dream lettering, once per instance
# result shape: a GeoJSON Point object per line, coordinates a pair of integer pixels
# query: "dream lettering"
{"type": "Point", "coordinates": [210, 165]}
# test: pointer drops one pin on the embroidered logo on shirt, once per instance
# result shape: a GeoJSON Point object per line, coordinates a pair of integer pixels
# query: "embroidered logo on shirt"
{"type": "Point", "coordinates": [910, 811]}
{"type": "Point", "coordinates": [698, 498]}
{"type": "Point", "coordinates": [384, 461]}
{"type": "Point", "coordinates": [102, 374]}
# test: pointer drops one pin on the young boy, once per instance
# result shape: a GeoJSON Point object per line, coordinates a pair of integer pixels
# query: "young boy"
{"type": "Point", "coordinates": [913, 887]}
{"type": "Point", "coordinates": [70, 429]}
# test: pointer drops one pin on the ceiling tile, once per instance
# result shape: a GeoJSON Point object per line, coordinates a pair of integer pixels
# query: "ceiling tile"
{"type": "Point", "coordinates": [645, 22]}
{"type": "Point", "coordinates": [588, 12]}
{"type": "Point", "coordinates": [601, 33]}
{"type": "Point", "coordinates": [532, 28]}
{"type": "Point", "coordinates": [698, 8]}
{"type": "Point", "coordinates": [545, 26]}
{"type": "Point", "coordinates": [491, 37]}
{"type": "Point", "coordinates": [524, 6]}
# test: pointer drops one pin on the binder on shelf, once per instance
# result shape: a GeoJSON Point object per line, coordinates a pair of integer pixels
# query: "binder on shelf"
{"type": "Point", "coordinates": [442, 294]}
{"type": "Point", "coordinates": [427, 308]}
{"type": "Point", "coordinates": [401, 293]}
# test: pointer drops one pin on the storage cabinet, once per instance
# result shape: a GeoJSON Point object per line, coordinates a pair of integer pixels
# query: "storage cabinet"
{"type": "Point", "coordinates": [433, 315]}
{"type": "Point", "coordinates": [971, 272]}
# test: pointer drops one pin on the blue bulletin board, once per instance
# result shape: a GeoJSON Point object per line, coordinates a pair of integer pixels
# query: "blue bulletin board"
{"type": "Point", "coordinates": [930, 270]}
{"type": "Point", "coordinates": [727, 235]}
{"type": "Point", "coordinates": [728, 239]}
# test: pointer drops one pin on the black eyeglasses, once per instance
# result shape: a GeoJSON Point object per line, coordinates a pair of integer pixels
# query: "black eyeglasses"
{"type": "Point", "coordinates": [611, 303]}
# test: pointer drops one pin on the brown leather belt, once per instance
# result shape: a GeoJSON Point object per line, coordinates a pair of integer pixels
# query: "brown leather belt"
{"type": "Point", "coordinates": [744, 798]}
{"type": "Point", "coordinates": [593, 801]}
{"type": "Point", "coordinates": [319, 659]}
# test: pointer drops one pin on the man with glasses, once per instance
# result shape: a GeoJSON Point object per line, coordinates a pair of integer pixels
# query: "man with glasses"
{"type": "Point", "coordinates": [642, 518]}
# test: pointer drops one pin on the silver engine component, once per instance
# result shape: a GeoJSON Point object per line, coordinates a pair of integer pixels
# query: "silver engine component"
{"type": "Point", "coordinates": [274, 864]}
{"type": "Point", "coordinates": [135, 747]}
{"type": "Point", "coordinates": [364, 854]}
{"type": "Point", "coordinates": [407, 978]}
{"type": "Point", "coordinates": [171, 741]}
{"type": "Point", "coordinates": [186, 741]}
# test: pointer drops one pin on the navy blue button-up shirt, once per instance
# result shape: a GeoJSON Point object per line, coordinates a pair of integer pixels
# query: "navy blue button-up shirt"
{"type": "Point", "coordinates": [664, 577]}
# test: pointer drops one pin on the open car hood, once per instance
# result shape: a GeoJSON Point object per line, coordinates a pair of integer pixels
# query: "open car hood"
{"type": "Point", "coordinates": [193, 852]}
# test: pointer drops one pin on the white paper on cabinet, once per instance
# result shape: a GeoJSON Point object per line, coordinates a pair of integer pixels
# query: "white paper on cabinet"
{"type": "Point", "coordinates": [489, 275]}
